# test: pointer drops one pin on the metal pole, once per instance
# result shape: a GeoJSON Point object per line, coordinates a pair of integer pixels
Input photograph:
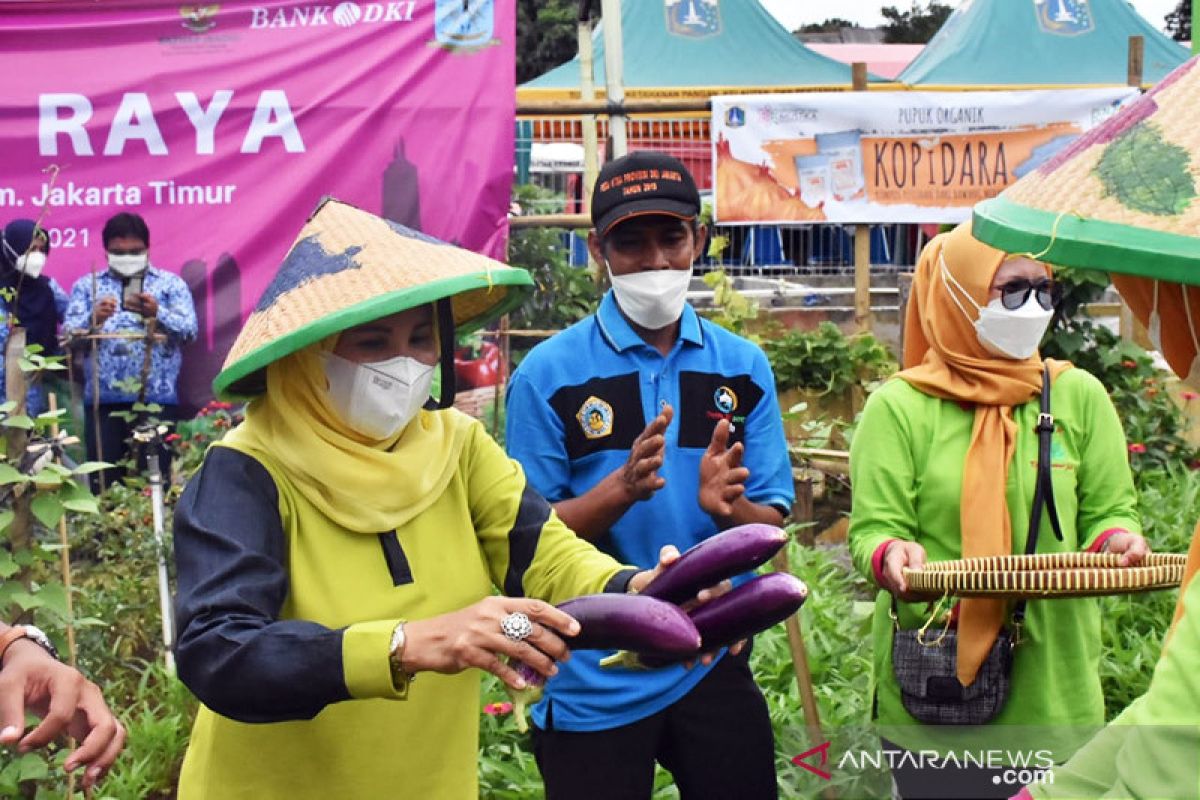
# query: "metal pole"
{"type": "Point", "coordinates": [614, 72]}
{"type": "Point", "coordinates": [591, 143]}
{"type": "Point", "coordinates": [150, 438]}
{"type": "Point", "coordinates": [587, 92]}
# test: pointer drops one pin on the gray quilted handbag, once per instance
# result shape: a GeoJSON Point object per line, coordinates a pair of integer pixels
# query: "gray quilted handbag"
{"type": "Point", "coordinates": [927, 671]}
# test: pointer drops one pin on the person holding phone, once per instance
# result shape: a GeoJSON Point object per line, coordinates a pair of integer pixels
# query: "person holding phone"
{"type": "Point", "coordinates": [115, 315]}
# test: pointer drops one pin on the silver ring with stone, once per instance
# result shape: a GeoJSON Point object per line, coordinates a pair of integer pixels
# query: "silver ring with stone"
{"type": "Point", "coordinates": [516, 626]}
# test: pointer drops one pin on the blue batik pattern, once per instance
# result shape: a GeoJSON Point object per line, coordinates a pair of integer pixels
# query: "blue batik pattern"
{"type": "Point", "coordinates": [35, 399]}
{"type": "Point", "coordinates": [121, 360]}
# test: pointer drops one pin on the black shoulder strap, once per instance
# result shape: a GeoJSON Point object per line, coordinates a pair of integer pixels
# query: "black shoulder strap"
{"type": "Point", "coordinates": [1043, 493]}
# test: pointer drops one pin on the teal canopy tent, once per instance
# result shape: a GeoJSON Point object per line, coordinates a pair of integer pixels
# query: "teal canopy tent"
{"type": "Point", "coordinates": [1033, 43]}
{"type": "Point", "coordinates": [705, 46]}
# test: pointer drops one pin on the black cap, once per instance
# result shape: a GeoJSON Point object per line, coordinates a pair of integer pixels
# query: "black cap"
{"type": "Point", "coordinates": [643, 182]}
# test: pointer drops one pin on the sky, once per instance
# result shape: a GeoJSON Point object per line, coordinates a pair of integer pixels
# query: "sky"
{"type": "Point", "coordinates": [794, 13]}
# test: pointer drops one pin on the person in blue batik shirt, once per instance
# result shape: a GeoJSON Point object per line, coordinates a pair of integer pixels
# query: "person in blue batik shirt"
{"type": "Point", "coordinates": [39, 301]}
{"type": "Point", "coordinates": [129, 298]}
{"type": "Point", "coordinates": [646, 426]}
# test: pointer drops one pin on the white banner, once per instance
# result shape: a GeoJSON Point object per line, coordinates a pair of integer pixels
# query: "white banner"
{"type": "Point", "coordinates": [887, 156]}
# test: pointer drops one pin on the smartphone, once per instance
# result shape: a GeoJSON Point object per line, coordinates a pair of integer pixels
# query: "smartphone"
{"type": "Point", "coordinates": [133, 287]}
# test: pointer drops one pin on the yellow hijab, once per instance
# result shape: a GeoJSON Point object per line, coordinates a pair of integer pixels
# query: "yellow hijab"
{"type": "Point", "coordinates": [363, 485]}
{"type": "Point", "coordinates": [943, 358]}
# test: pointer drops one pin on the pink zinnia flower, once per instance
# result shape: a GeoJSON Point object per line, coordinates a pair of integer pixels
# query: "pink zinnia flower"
{"type": "Point", "coordinates": [496, 709]}
{"type": "Point", "coordinates": [1137, 447]}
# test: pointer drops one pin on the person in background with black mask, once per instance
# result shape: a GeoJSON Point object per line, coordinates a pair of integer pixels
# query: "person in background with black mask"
{"type": "Point", "coordinates": [28, 299]}
{"type": "Point", "coordinates": [122, 308]}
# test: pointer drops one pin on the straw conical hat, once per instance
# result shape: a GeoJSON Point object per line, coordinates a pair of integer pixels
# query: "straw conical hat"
{"type": "Point", "coordinates": [348, 267]}
{"type": "Point", "coordinates": [1123, 197]}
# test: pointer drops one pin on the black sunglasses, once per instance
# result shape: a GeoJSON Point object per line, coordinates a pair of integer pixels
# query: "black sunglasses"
{"type": "Point", "coordinates": [1015, 293]}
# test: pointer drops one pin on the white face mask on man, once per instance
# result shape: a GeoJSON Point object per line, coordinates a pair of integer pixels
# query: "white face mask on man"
{"type": "Point", "coordinates": [127, 265]}
{"type": "Point", "coordinates": [32, 264]}
{"type": "Point", "coordinates": [378, 399]}
{"type": "Point", "coordinates": [654, 298]}
{"type": "Point", "coordinates": [1006, 333]}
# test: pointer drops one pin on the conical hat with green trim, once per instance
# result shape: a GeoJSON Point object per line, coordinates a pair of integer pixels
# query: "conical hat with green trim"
{"type": "Point", "coordinates": [1123, 197]}
{"type": "Point", "coordinates": [348, 267]}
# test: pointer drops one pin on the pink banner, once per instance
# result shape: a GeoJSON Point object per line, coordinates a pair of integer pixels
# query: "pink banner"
{"type": "Point", "coordinates": [224, 124]}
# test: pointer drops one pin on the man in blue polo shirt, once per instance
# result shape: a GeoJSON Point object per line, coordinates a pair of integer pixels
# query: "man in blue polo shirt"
{"type": "Point", "coordinates": [647, 426]}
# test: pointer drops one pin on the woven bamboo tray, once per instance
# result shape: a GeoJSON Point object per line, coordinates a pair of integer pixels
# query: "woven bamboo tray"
{"type": "Point", "coordinates": [1047, 575]}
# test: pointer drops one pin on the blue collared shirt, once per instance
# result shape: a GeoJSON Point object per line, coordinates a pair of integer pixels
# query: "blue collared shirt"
{"type": "Point", "coordinates": [574, 407]}
{"type": "Point", "coordinates": [121, 360]}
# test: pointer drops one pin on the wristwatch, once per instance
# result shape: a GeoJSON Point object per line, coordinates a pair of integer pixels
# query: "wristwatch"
{"type": "Point", "coordinates": [400, 677]}
{"type": "Point", "coordinates": [31, 632]}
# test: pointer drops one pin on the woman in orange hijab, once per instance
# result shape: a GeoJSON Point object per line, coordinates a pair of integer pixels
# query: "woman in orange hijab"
{"type": "Point", "coordinates": [944, 463]}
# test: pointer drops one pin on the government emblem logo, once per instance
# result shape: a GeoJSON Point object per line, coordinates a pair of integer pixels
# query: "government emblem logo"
{"type": "Point", "coordinates": [695, 18]}
{"type": "Point", "coordinates": [199, 19]}
{"type": "Point", "coordinates": [464, 24]}
{"type": "Point", "coordinates": [595, 418]}
{"type": "Point", "coordinates": [1064, 17]}
{"type": "Point", "coordinates": [725, 399]}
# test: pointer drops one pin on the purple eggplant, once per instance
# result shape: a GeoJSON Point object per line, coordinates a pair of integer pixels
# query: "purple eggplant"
{"type": "Point", "coordinates": [523, 698]}
{"type": "Point", "coordinates": [633, 623]}
{"type": "Point", "coordinates": [717, 558]}
{"type": "Point", "coordinates": [749, 609]}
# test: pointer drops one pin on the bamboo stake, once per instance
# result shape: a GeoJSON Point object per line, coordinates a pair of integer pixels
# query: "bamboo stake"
{"type": "Point", "coordinates": [808, 696]}
{"type": "Point", "coordinates": [65, 562]}
{"type": "Point", "coordinates": [502, 378]}
{"type": "Point", "coordinates": [862, 240]}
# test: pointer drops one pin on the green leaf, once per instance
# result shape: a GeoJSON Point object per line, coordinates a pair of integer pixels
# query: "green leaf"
{"type": "Point", "coordinates": [53, 596]}
{"type": "Point", "coordinates": [16, 594]}
{"type": "Point", "coordinates": [47, 478]}
{"type": "Point", "coordinates": [78, 498]}
{"type": "Point", "coordinates": [1147, 173]}
{"type": "Point", "coordinates": [8, 474]}
{"type": "Point", "coordinates": [47, 508]}
{"type": "Point", "coordinates": [8, 567]}
{"type": "Point", "coordinates": [89, 467]}
{"type": "Point", "coordinates": [19, 421]}
{"type": "Point", "coordinates": [82, 505]}
{"type": "Point", "coordinates": [31, 767]}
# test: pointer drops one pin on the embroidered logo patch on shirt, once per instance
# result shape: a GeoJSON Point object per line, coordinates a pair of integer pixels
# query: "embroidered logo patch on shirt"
{"type": "Point", "coordinates": [726, 399]}
{"type": "Point", "coordinates": [595, 418]}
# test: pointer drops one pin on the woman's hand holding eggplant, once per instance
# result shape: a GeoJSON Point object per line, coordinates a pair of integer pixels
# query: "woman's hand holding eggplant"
{"type": "Point", "coordinates": [472, 637]}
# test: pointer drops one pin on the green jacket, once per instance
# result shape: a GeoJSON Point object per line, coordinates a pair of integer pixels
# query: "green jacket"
{"type": "Point", "coordinates": [1152, 750]}
{"type": "Point", "coordinates": [906, 464]}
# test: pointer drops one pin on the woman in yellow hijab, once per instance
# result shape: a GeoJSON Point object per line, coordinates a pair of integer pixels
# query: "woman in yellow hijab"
{"type": "Point", "coordinates": [943, 464]}
{"type": "Point", "coordinates": [338, 552]}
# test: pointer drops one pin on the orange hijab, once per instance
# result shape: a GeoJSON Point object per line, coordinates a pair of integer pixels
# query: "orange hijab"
{"type": "Point", "coordinates": [943, 358]}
